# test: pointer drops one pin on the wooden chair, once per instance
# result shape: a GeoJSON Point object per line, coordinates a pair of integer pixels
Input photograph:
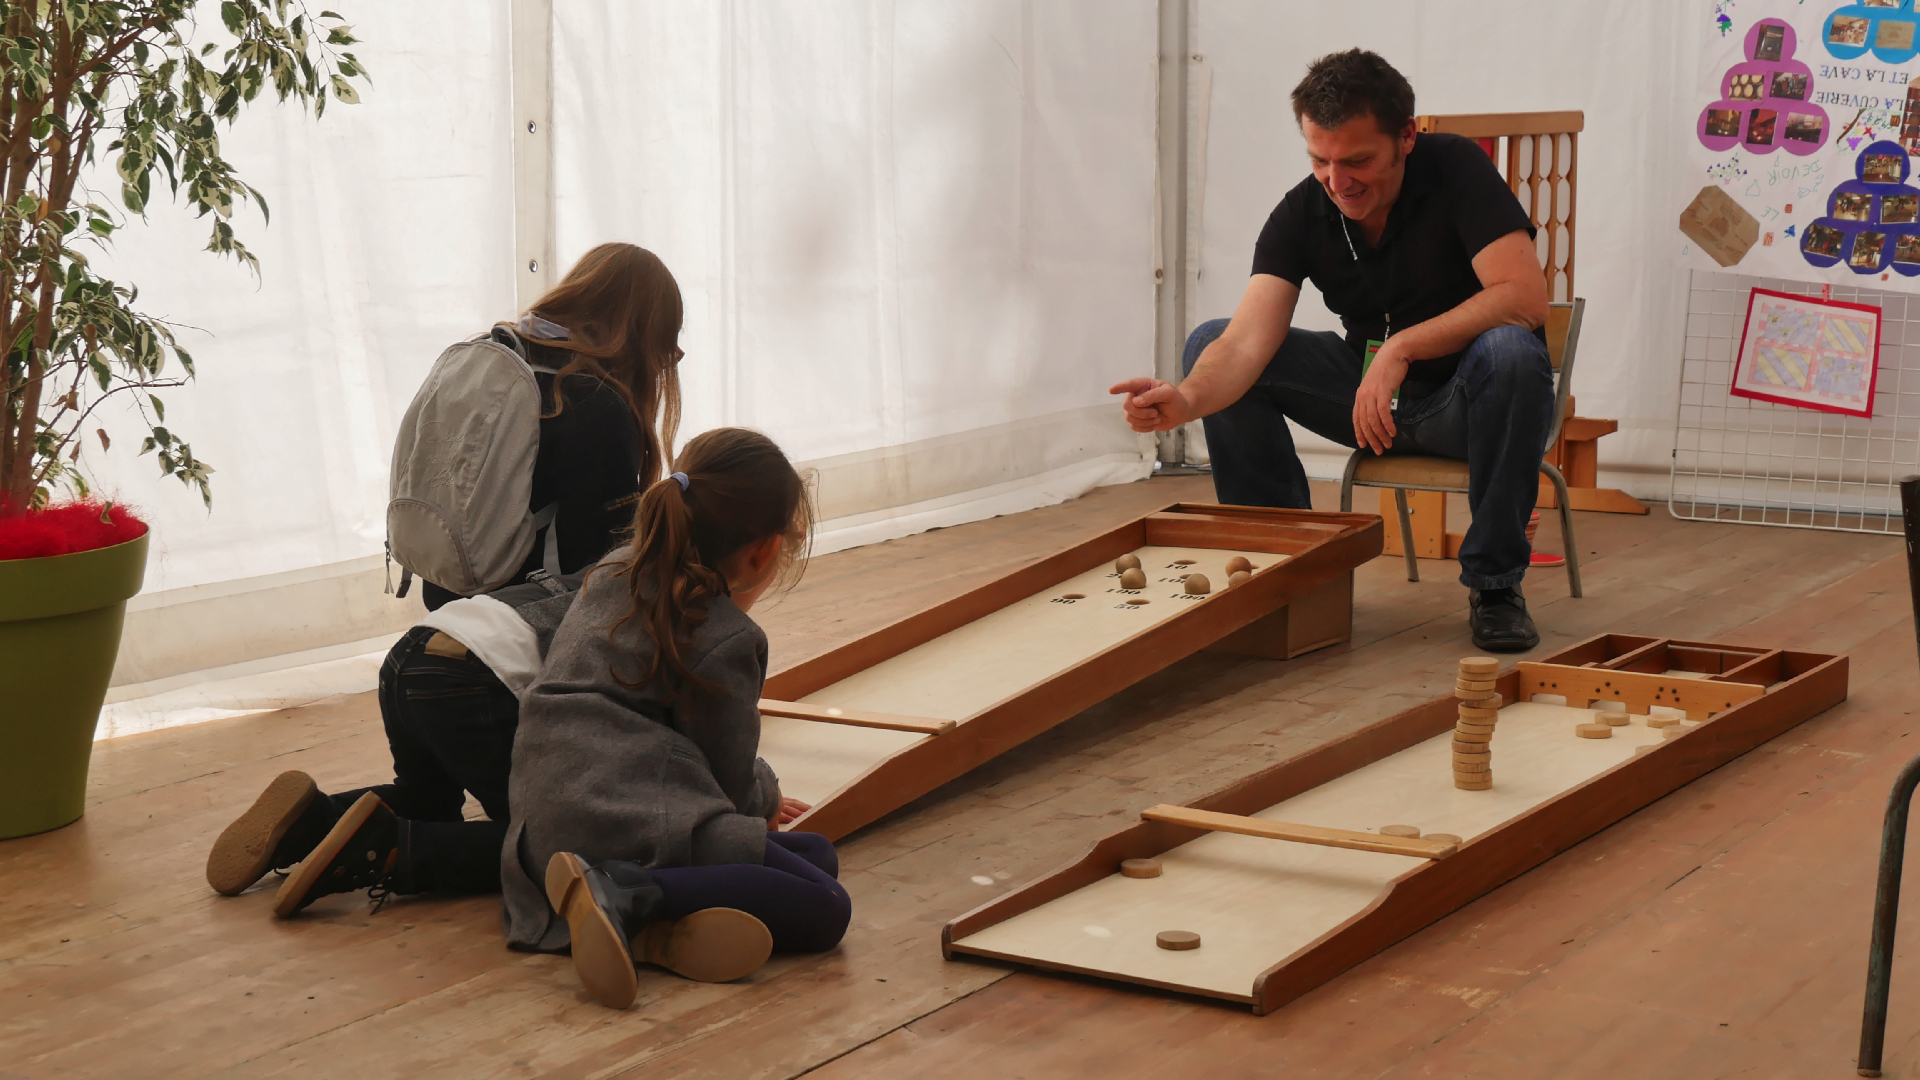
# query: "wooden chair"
{"type": "Point", "coordinates": [1415, 472]}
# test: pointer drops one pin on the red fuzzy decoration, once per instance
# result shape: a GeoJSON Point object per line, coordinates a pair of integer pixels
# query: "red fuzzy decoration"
{"type": "Point", "coordinates": [65, 529]}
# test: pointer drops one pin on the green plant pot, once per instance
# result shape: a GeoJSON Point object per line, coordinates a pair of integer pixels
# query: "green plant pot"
{"type": "Point", "coordinates": [59, 633]}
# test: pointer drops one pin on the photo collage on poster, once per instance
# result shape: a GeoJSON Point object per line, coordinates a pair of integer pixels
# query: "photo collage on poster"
{"type": "Point", "coordinates": [1884, 27]}
{"type": "Point", "coordinates": [1872, 222]}
{"type": "Point", "coordinates": [1765, 102]}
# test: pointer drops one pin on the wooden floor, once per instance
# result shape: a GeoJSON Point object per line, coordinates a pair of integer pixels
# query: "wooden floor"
{"type": "Point", "coordinates": [1719, 932]}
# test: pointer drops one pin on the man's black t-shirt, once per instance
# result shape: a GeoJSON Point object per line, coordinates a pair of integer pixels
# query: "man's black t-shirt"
{"type": "Point", "coordinates": [1451, 205]}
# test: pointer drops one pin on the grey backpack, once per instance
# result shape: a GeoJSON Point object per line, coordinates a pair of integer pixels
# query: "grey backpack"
{"type": "Point", "coordinates": [463, 470]}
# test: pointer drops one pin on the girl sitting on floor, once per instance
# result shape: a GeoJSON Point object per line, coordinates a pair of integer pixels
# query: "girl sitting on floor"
{"type": "Point", "coordinates": [643, 820]}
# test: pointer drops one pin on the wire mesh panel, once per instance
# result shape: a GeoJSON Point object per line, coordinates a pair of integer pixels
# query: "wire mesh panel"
{"type": "Point", "coordinates": [1738, 459]}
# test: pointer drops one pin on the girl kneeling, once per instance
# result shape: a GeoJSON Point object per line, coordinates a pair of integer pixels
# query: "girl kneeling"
{"type": "Point", "coordinates": [642, 816]}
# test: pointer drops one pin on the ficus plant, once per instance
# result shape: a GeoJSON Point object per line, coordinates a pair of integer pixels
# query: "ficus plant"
{"type": "Point", "coordinates": [142, 86]}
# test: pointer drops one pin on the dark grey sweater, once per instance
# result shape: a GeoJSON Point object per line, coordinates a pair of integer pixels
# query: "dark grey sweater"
{"type": "Point", "coordinates": [608, 771]}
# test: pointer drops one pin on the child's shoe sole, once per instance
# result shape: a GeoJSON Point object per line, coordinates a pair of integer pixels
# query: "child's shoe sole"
{"type": "Point", "coordinates": [710, 945]}
{"type": "Point", "coordinates": [600, 954]}
{"type": "Point", "coordinates": [304, 877]}
{"type": "Point", "coordinates": [244, 852]}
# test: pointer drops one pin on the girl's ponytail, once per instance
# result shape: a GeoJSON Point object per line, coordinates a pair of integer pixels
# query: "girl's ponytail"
{"type": "Point", "coordinates": [734, 487]}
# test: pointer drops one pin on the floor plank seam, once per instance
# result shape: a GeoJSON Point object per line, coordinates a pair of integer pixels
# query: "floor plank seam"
{"type": "Point", "coordinates": [904, 1024]}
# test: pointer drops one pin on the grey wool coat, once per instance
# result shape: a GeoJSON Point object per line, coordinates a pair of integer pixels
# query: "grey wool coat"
{"type": "Point", "coordinates": [608, 771]}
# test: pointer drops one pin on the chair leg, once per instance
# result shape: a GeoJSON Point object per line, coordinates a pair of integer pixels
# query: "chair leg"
{"type": "Point", "coordinates": [1566, 527]}
{"type": "Point", "coordinates": [1346, 482]}
{"type": "Point", "coordinates": [1406, 533]}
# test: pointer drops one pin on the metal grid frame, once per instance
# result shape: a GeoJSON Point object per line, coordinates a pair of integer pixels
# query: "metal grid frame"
{"type": "Point", "coordinates": [1759, 463]}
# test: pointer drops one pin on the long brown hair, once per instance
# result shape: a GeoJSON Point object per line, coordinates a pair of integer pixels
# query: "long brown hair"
{"type": "Point", "coordinates": [740, 490]}
{"type": "Point", "coordinates": [622, 310]}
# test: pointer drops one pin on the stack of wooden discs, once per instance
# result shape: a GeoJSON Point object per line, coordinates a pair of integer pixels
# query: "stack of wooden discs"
{"type": "Point", "coordinates": [1473, 733]}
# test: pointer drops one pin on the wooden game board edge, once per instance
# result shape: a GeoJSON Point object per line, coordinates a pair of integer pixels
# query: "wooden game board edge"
{"type": "Point", "coordinates": [923, 765]}
{"type": "Point", "coordinates": [1429, 891]}
{"type": "Point", "coordinates": [1432, 891]}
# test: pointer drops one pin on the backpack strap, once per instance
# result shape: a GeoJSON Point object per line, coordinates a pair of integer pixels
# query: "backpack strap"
{"type": "Point", "coordinates": [544, 519]}
{"type": "Point", "coordinates": [508, 336]}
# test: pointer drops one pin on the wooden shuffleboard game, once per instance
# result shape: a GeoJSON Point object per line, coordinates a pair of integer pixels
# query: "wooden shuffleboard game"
{"type": "Point", "coordinates": [1277, 883]}
{"type": "Point", "coordinates": [870, 726]}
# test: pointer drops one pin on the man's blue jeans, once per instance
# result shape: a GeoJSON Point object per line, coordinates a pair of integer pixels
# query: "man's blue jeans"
{"type": "Point", "coordinates": [1494, 414]}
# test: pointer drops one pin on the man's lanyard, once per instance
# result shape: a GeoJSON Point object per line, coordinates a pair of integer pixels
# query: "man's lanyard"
{"type": "Point", "coordinates": [1386, 314]}
{"type": "Point", "coordinates": [1373, 347]}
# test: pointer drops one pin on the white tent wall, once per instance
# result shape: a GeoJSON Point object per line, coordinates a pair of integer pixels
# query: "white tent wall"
{"type": "Point", "coordinates": [915, 239]}
{"type": "Point", "coordinates": [1629, 64]}
{"type": "Point", "coordinates": [390, 238]}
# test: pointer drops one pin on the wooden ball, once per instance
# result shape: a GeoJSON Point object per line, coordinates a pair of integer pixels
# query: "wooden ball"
{"type": "Point", "coordinates": [1198, 585]}
{"type": "Point", "coordinates": [1238, 577]}
{"type": "Point", "coordinates": [1126, 562]}
{"type": "Point", "coordinates": [1177, 940]}
{"type": "Point", "coordinates": [1140, 868]}
{"type": "Point", "coordinates": [1593, 731]}
{"type": "Point", "coordinates": [1133, 578]}
{"type": "Point", "coordinates": [1407, 831]}
{"type": "Point", "coordinates": [1238, 564]}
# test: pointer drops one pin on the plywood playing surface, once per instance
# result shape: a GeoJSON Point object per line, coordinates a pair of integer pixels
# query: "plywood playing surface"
{"type": "Point", "coordinates": [967, 670]}
{"type": "Point", "coordinates": [1254, 901]}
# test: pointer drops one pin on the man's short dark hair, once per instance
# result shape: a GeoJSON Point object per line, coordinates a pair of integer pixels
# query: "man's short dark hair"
{"type": "Point", "coordinates": [1340, 86]}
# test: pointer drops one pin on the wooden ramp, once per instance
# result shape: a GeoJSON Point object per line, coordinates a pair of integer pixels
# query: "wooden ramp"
{"type": "Point", "coordinates": [879, 722]}
{"type": "Point", "coordinates": [1272, 872]}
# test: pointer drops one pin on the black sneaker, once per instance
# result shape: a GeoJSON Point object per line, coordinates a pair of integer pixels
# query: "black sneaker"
{"type": "Point", "coordinates": [1499, 620]}
{"type": "Point", "coordinates": [276, 832]}
{"type": "Point", "coordinates": [359, 853]}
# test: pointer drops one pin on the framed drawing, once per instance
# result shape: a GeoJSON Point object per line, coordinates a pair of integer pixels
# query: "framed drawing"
{"type": "Point", "coordinates": [1810, 353]}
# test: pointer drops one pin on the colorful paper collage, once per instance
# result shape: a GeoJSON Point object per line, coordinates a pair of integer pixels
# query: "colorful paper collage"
{"type": "Point", "coordinates": [1886, 28]}
{"type": "Point", "coordinates": [1873, 221]}
{"type": "Point", "coordinates": [1765, 101]}
{"type": "Point", "coordinates": [1810, 353]}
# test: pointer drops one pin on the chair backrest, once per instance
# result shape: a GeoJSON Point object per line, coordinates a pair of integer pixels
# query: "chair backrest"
{"type": "Point", "coordinates": [1540, 162]}
{"type": "Point", "coordinates": [1563, 344]}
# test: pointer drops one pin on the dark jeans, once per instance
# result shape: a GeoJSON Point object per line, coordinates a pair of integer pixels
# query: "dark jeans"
{"type": "Point", "coordinates": [1494, 414]}
{"type": "Point", "coordinates": [793, 890]}
{"type": "Point", "coordinates": [450, 726]}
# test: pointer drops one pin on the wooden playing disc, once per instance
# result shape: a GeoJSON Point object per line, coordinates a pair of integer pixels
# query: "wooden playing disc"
{"type": "Point", "coordinates": [1407, 831]}
{"type": "Point", "coordinates": [1141, 868]}
{"type": "Point", "coordinates": [1480, 737]}
{"type": "Point", "coordinates": [1663, 721]}
{"type": "Point", "coordinates": [1125, 563]}
{"type": "Point", "coordinates": [1614, 719]}
{"type": "Point", "coordinates": [1476, 695]}
{"type": "Point", "coordinates": [1593, 731]}
{"type": "Point", "coordinates": [1133, 578]}
{"type": "Point", "coordinates": [1177, 940]}
{"type": "Point", "coordinates": [1479, 665]}
{"type": "Point", "coordinates": [1461, 767]}
{"type": "Point", "coordinates": [1474, 712]}
{"type": "Point", "coordinates": [1638, 750]}
{"type": "Point", "coordinates": [1466, 784]}
{"type": "Point", "coordinates": [1473, 684]}
{"type": "Point", "coordinates": [1675, 732]}
{"type": "Point", "coordinates": [1468, 725]}
{"type": "Point", "coordinates": [1443, 838]}
{"type": "Point", "coordinates": [1471, 748]}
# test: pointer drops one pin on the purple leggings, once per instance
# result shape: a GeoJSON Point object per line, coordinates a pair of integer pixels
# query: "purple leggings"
{"type": "Point", "coordinates": [793, 890]}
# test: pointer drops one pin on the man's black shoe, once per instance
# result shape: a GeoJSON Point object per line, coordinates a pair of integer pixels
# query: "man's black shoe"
{"type": "Point", "coordinates": [1499, 620]}
{"type": "Point", "coordinates": [359, 853]}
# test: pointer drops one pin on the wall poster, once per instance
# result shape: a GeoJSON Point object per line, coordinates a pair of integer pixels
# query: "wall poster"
{"type": "Point", "coordinates": [1807, 352]}
{"type": "Point", "coordinates": [1803, 144]}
